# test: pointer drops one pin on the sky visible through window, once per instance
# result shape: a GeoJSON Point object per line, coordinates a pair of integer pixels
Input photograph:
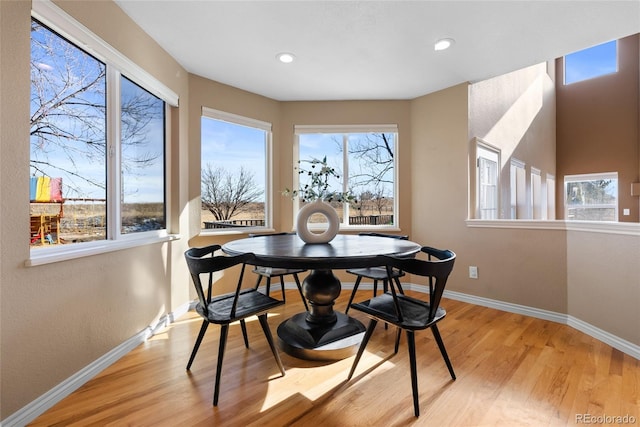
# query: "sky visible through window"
{"type": "Point", "coordinates": [592, 62]}
{"type": "Point", "coordinates": [318, 146]}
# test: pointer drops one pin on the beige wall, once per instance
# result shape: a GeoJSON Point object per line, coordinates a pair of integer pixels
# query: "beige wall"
{"type": "Point", "coordinates": [603, 282]}
{"type": "Point", "coordinates": [58, 318]}
{"type": "Point", "coordinates": [598, 127]}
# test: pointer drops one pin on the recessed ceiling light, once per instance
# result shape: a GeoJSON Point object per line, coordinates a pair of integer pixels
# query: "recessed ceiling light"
{"type": "Point", "coordinates": [286, 58]}
{"type": "Point", "coordinates": [443, 44]}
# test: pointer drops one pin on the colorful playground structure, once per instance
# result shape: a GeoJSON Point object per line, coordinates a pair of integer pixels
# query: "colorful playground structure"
{"type": "Point", "coordinates": [45, 228]}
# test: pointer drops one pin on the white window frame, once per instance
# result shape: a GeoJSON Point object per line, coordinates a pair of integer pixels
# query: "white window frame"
{"type": "Point", "coordinates": [591, 177]}
{"type": "Point", "coordinates": [345, 130]}
{"type": "Point", "coordinates": [550, 182]}
{"type": "Point", "coordinates": [490, 153]}
{"type": "Point", "coordinates": [537, 201]}
{"type": "Point", "coordinates": [66, 26]}
{"type": "Point", "coordinates": [267, 127]}
{"type": "Point", "coordinates": [518, 189]}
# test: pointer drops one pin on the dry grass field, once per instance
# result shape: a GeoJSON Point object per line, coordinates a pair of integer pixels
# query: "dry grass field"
{"type": "Point", "coordinates": [87, 221]}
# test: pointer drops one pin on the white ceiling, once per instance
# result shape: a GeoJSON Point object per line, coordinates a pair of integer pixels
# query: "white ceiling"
{"type": "Point", "coordinates": [372, 49]}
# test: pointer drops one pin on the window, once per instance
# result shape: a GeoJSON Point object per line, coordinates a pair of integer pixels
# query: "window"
{"type": "Point", "coordinates": [487, 178]}
{"type": "Point", "coordinates": [364, 158]}
{"type": "Point", "coordinates": [593, 62]}
{"type": "Point", "coordinates": [591, 197]}
{"type": "Point", "coordinates": [235, 173]}
{"type": "Point", "coordinates": [537, 208]}
{"type": "Point", "coordinates": [98, 136]}
{"type": "Point", "coordinates": [142, 143]}
{"type": "Point", "coordinates": [518, 190]}
{"type": "Point", "coordinates": [551, 197]}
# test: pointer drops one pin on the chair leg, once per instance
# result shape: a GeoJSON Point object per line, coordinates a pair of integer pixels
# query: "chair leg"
{"type": "Point", "coordinates": [284, 298]}
{"type": "Point", "coordinates": [267, 333]}
{"type": "Point", "coordinates": [398, 334]}
{"type": "Point", "coordinates": [436, 335]}
{"type": "Point", "coordinates": [353, 294]}
{"type": "Point", "coordinates": [224, 332]}
{"type": "Point", "coordinates": [397, 280]}
{"type": "Point", "coordinates": [304, 300]}
{"type": "Point", "coordinates": [375, 288]}
{"type": "Point", "coordinates": [363, 344]}
{"type": "Point", "coordinates": [411, 341]}
{"type": "Point", "coordinates": [203, 329]}
{"type": "Point", "coordinates": [243, 326]}
{"type": "Point", "coordinates": [385, 289]}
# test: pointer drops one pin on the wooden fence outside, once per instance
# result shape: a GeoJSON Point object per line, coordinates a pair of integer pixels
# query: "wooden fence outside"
{"type": "Point", "coordinates": [353, 220]}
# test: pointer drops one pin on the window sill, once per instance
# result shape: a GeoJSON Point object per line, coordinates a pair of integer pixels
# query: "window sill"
{"type": "Point", "coordinates": [626, 228]}
{"type": "Point", "coordinates": [79, 250]}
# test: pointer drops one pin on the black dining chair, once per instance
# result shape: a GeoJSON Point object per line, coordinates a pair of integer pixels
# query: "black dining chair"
{"type": "Point", "coordinates": [226, 308]}
{"type": "Point", "coordinates": [408, 313]}
{"type": "Point", "coordinates": [271, 272]}
{"type": "Point", "coordinates": [375, 273]}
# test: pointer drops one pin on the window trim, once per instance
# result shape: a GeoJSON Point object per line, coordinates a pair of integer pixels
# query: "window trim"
{"type": "Point", "coordinates": [550, 183]}
{"type": "Point", "coordinates": [349, 129]}
{"type": "Point", "coordinates": [117, 64]}
{"type": "Point", "coordinates": [267, 127]}
{"type": "Point", "coordinates": [538, 203]}
{"type": "Point", "coordinates": [485, 146]}
{"type": "Point", "coordinates": [564, 64]}
{"type": "Point", "coordinates": [517, 169]}
{"type": "Point", "coordinates": [588, 177]}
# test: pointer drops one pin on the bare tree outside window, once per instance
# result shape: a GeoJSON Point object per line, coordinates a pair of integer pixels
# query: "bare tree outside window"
{"type": "Point", "coordinates": [374, 152]}
{"type": "Point", "coordinates": [591, 197]}
{"type": "Point", "coordinates": [371, 163]}
{"type": "Point", "coordinates": [234, 173]}
{"type": "Point", "coordinates": [226, 194]}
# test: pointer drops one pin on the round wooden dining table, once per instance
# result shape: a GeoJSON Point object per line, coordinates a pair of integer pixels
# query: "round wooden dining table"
{"type": "Point", "coordinates": [321, 333]}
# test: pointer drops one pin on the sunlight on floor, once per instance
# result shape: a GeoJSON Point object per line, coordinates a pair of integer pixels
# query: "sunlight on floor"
{"type": "Point", "coordinates": [297, 379]}
{"type": "Point", "coordinates": [160, 336]}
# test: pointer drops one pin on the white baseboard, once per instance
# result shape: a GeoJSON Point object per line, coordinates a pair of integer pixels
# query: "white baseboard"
{"type": "Point", "coordinates": [36, 408]}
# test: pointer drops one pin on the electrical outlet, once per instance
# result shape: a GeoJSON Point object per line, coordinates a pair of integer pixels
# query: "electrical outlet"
{"type": "Point", "coordinates": [473, 272]}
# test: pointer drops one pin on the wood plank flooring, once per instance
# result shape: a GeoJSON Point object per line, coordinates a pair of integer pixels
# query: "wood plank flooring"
{"type": "Point", "coordinates": [512, 370]}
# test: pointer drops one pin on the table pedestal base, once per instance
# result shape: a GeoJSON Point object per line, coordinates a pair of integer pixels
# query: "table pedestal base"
{"type": "Point", "coordinates": [320, 341]}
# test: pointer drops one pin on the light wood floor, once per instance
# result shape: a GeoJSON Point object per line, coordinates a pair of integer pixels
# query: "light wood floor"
{"type": "Point", "coordinates": [512, 370]}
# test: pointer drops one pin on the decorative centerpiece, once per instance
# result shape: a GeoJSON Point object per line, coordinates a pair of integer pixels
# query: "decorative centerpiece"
{"type": "Point", "coordinates": [317, 196]}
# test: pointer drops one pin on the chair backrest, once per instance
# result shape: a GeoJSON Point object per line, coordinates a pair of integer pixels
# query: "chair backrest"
{"type": "Point", "coordinates": [436, 268]}
{"type": "Point", "coordinates": [204, 261]}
